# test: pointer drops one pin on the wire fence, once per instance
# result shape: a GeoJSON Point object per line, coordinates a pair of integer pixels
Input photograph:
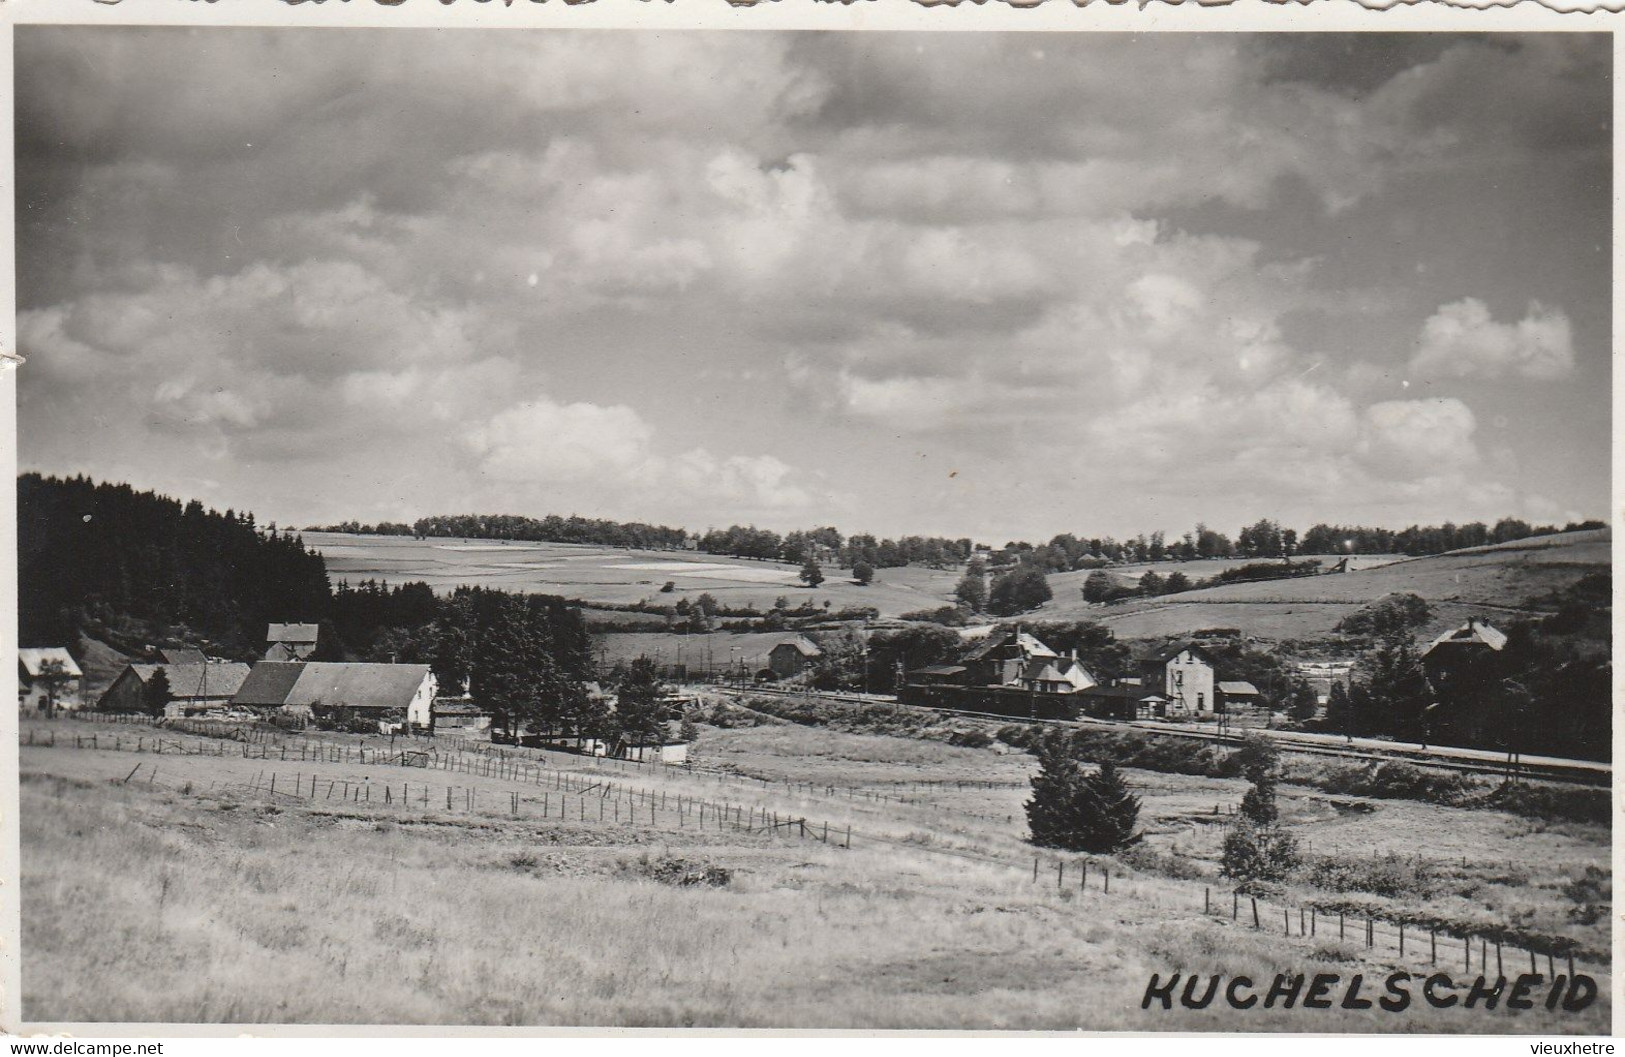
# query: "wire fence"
{"type": "Point", "coordinates": [554, 793]}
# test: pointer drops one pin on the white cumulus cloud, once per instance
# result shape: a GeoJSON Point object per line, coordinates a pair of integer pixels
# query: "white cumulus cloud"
{"type": "Point", "coordinates": [1462, 340]}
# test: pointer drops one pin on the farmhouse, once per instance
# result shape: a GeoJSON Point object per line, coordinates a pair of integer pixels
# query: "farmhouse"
{"type": "Point", "coordinates": [181, 655]}
{"type": "Point", "coordinates": [792, 657]}
{"type": "Point", "coordinates": [290, 642]}
{"type": "Point", "coordinates": [321, 688]}
{"type": "Point", "coordinates": [48, 679]}
{"type": "Point", "coordinates": [192, 687]}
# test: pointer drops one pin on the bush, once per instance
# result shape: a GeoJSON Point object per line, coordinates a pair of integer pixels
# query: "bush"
{"type": "Point", "coordinates": [1258, 853]}
{"type": "Point", "coordinates": [1397, 781]}
{"type": "Point", "coordinates": [1388, 875]}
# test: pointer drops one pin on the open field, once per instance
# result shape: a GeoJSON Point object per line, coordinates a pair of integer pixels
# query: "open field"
{"type": "Point", "coordinates": [1490, 582]}
{"type": "Point", "coordinates": [193, 893]}
{"type": "Point", "coordinates": [604, 574]}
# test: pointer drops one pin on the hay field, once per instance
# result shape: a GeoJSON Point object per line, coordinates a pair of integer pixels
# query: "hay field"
{"type": "Point", "coordinates": [1489, 582]}
{"type": "Point", "coordinates": [605, 574]}
{"type": "Point", "coordinates": [201, 897]}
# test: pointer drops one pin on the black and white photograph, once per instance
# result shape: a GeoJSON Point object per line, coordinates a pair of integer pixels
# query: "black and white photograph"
{"type": "Point", "coordinates": [814, 529]}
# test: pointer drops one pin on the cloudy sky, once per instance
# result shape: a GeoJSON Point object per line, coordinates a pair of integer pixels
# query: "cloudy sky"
{"type": "Point", "coordinates": [1003, 285]}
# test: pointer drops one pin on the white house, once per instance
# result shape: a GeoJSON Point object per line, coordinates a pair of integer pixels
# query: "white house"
{"type": "Point", "coordinates": [40, 684]}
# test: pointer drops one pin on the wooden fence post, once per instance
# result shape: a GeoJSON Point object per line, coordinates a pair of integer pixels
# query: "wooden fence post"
{"type": "Point", "coordinates": [1255, 911]}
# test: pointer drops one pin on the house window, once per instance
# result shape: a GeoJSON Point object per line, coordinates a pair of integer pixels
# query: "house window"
{"type": "Point", "coordinates": [1199, 702]}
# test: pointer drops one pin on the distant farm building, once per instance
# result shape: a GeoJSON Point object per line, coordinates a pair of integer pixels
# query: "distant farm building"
{"type": "Point", "coordinates": [290, 642]}
{"type": "Point", "coordinates": [1233, 695]}
{"type": "Point", "coordinates": [48, 678]}
{"type": "Point", "coordinates": [457, 715]}
{"type": "Point", "coordinates": [792, 657]}
{"type": "Point", "coordinates": [181, 655]}
{"type": "Point", "coordinates": [320, 690]}
{"type": "Point", "coordinates": [192, 687]}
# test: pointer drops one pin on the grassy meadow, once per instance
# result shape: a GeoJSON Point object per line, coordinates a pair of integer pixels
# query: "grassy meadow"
{"type": "Point", "coordinates": [189, 892]}
{"type": "Point", "coordinates": [1490, 582]}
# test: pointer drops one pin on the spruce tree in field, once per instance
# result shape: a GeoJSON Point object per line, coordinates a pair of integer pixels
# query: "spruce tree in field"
{"type": "Point", "coordinates": [1257, 848]}
{"type": "Point", "coordinates": [1076, 811]}
{"type": "Point", "coordinates": [157, 693]}
{"type": "Point", "coordinates": [812, 574]}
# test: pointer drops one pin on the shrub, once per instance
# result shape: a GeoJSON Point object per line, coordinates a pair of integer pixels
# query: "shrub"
{"type": "Point", "coordinates": [1388, 875]}
{"type": "Point", "coordinates": [1258, 853]}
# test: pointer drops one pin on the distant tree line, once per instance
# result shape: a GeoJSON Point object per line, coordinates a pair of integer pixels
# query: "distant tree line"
{"type": "Point", "coordinates": [552, 529]}
{"type": "Point", "coordinates": [1265, 538]}
{"type": "Point", "coordinates": [356, 528]}
{"type": "Point", "coordinates": [802, 546]}
{"type": "Point", "coordinates": [141, 567]}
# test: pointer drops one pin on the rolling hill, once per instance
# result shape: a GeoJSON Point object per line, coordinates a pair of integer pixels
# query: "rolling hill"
{"type": "Point", "coordinates": [1490, 582]}
{"type": "Point", "coordinates": [1498, 580]}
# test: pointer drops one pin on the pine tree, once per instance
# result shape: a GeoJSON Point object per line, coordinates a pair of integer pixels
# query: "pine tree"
{"type": "Point", "coordinates": [1257, 848]}
{"type": "Point", "coordinates": [812, 574]}
{"type": "Point", "coordinates": [1079, 812]}
{"type": "Point", "coordinates": [640, 706]}
{"type": "Point", "coordinates": [158, 693]}
{"type": "Point", "coordinates": [1260, 765]}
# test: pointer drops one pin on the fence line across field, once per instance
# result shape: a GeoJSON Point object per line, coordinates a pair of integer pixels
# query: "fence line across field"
{"type": "Point", "coordinates": [259, 744]}
{"type": "Point", "coordinates": [566, 796]}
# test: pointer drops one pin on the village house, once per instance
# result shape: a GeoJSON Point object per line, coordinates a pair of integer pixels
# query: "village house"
{"type": "Point", "coordinates": [192, 687]}
{"type": "Point", "coordinates": [48, 679]}
{"type": "Point", "coordinates": [181, 655]}
{"type": "Point", "coordinates": [792, 657]}
{"type": "Point", "coordinates": [290, 642]}
{"type": "Point", "coordinates": [388, 693]}
{"type": "Point", "coordinates": [1019, 659]}
{"type": "Point", "coordinates": [1185, 675]}
{"type": "Point", "coordinates": [1463, 657]}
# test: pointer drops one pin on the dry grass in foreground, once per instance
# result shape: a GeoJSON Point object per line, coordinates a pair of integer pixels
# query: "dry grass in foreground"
{"type": "Point", "coordinates": [147, 904]}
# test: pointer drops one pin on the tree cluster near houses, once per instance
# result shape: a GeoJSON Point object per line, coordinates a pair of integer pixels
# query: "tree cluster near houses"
{"type": "Point", "coordinates": [140, 567]}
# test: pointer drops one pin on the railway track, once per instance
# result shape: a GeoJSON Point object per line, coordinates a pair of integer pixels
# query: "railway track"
{"type": "Point", "coordinates": [1568, 772]}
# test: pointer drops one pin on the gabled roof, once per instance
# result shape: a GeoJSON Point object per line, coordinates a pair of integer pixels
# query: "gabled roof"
{"type": "Point", "coordinates": [941, 669]}
{"type": "Point", "coordinates": [213, 679]}
{"type": "Point", "coordinates": [1167, 653]}
{"type": "Point", "coordinates": [1024, 643]}
{"type": "Point", "coordinates": [269, 684]}
{"type": "Point", "coordinates": [1473, 633]}
{"type": "Point", "coordinates": [1237, 688]}
{"type": "Point", "coordinates": [33, 658]}
{"type": "Point", "coordinates": [802, 645]}
{"type": "Point", "coordinates": [297, 633]}
{"type": "Point", "coordinates": [282, 651]}
{"type": "Point", "coordinates": [346, 685]}
{"type": "Point", "coordinates": [181, 655]}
